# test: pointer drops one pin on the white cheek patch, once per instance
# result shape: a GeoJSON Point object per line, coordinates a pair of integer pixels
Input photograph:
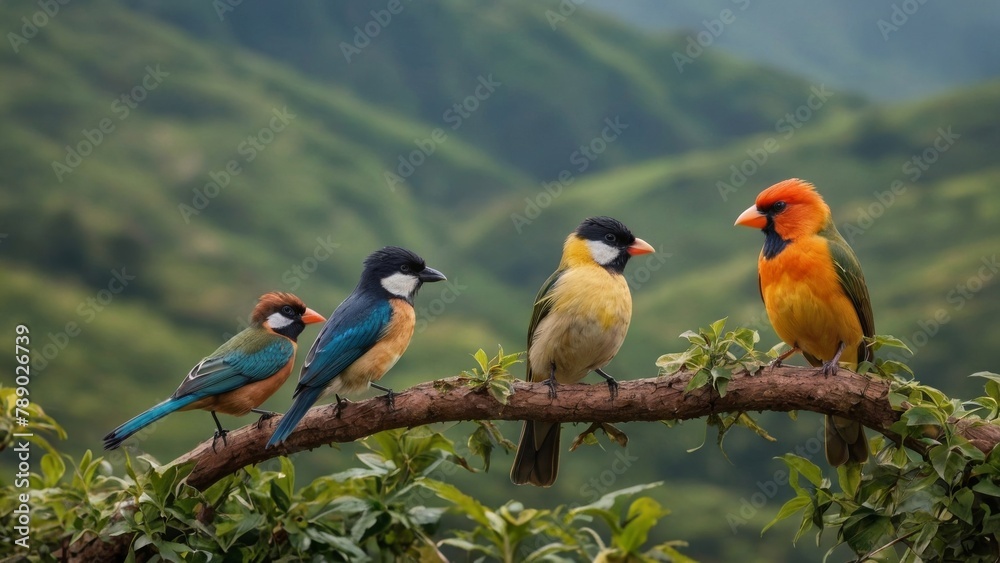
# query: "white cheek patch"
{"type": "Point", "coordinates": [277, 321]}
{"type": "Point", "coordinates": [400, 285]}
{"type": "Point", "coordinates": [602, 253]}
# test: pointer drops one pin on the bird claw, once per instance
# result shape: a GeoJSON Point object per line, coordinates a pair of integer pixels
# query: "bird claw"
{"type": "Point", "coordinates": [340, 405]}
{"type": "Point", "coordinates": [830, 368]}
{"type": "Point", "coordinates": [551, 384]}
{"type": "Point", "coordinates": [266, 415]}
{"type": "Point", "coordinates": [390, 399]}
{"type": "Point", "coordinates": [613, 388]}
{"type": "Point", "coordinates": [775, 363]}
{"type": "Point", "coordinates": [219, 434]}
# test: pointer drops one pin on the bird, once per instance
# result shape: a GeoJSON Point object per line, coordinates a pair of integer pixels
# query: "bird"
{"type": "Point", "coordinates": [239, 376]}
{"type": "Point", "coordinates": [365, 336]}
{"type": "Point", "coordinates": [815, 294]}
{"type": "Point", "coordinates": [578, 323]}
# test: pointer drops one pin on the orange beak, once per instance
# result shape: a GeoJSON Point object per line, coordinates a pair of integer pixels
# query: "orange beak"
{"type": "Point", "coordinates": [640, 247]}
{"type": "Point", "coordinates": [310, 317]}
{"type": "Point", "coordinates": [752, 218]}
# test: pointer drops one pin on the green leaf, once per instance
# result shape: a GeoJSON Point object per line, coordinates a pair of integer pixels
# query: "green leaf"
{"type": "Point", "coordinates": [865, 530]}
{"type": "Point", "coordinates": [806, 468]}
{"type": "Point", "coordinates": [717, 327]}
{"type": "Point", "coordinates": [642, 516]}
{"type": "Point", "coordinates": [747, 421]}
{"type": "Point", "coordinates": [947, 463]}
{"type": "Point", "coordinates": [987, 375]}
{"type": "Point", "coordinates": [787, 510]}
{"type": "Point", "coordinates": [849, 476]}
{"type": "Point", "coordinates": [746, 338]}
{"type": "Point", "coordinates": [607, 501]}
{"type": "Point", "coordinates": [482, 359]}
{"type": "Point", "coordinates": [53, 469]}
{"type": "Point", "coordinates": [280, 497]}
{"type": "Point", "coordinates": [987, 487]}
{"type": "Point", "coordinates": [961, 505]}
{"type": "Point", "coordinates": [886, 340]}
{"type": "Point", "coordinates": [921, 416]}
{"type": "Point", "coordinates": [699, 380]}
{"type": "Point", "coordinates": [720, 380]}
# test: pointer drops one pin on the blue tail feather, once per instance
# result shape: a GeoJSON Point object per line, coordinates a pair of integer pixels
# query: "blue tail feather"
{"type": "Point", "coordinates": [300, 406]}
{"type": "Point", "coordinates": [137, 423]}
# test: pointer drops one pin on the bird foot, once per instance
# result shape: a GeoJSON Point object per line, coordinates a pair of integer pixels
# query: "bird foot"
{"type": "Point", "coordinates": [264, 415]}
{"type": "Point", "coordinates": [341, 404]}
{"type": "Point", "coordinates": [551, 384]}
{"type": "Point", "coordinates": [830, 368]}
{"type": "Point", "coordinates": [220, 433]}
{"type": "Point", "coordinates": [776, 363]}
{"type": "Point", "coordinates": [613, 388]}
{"type": "Point", "coordinates": [390, 399]}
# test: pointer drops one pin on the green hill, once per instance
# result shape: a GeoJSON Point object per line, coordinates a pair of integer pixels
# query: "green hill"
{"type": "Point", "coordinates": [253, 156]}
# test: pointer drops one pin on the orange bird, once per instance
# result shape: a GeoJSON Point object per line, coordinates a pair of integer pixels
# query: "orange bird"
{"type": "Point", "coordinates": [814, 293]}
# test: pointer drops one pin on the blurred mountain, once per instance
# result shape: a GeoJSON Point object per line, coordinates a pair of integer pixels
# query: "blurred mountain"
{"type": "Point", "coordinates": [161, 165]}
{"type": "Point", "coordinates": [888, 49]}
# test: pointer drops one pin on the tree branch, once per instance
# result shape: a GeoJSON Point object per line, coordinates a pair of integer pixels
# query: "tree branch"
{"type": "Point", "coordinates": [662, 398]}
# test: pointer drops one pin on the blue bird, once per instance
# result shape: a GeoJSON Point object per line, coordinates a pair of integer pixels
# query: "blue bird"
{"type": "Point", "coordinates": [365, 335]}
{"type": "Point", "coordinates": [239, 376]}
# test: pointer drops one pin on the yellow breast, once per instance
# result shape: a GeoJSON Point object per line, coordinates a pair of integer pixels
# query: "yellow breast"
{"type": "Point", "coordinates": [590, 315]}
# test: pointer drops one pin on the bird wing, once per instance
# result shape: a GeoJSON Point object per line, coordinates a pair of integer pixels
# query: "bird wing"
{"type": "Point", "coordinates": [352, 330]}
{"type": "Point", "coordinates": [543, 305]}
{"type": "Point", "coordinates": [852, 280]}
{"type": "Point", "coordinates": [253, 355]}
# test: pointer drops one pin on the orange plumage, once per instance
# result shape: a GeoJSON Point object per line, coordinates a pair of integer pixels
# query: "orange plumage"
{"type": "Point", "coordinates": [814, 292]}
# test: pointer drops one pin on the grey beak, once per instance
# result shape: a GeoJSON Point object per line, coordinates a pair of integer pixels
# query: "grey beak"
{"type": "Point", "coordinates": [431, 275]}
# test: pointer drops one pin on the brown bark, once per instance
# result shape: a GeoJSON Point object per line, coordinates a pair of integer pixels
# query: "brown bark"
{"type": "Point", "coordinates": [663, 398]}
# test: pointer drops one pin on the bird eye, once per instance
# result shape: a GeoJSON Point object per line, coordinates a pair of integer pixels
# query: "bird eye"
{"type": "Point", "coordinates": [405, 268]}
{"type": "Point", "coordinates": [779, 206]}
{"type": "Point", "coordinates": [610, 237]}
{"type": "Point", "coordinates": [287, 311]}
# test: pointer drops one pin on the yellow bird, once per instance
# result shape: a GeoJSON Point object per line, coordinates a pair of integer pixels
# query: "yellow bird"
{"type": "Point", "coordinates": [579, 321]}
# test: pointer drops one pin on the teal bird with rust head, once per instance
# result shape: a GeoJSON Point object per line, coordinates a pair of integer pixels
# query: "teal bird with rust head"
{"type": "Point", "coordinates": [578, 323]}
{"type": "Point", "coordinates": [239, 376]}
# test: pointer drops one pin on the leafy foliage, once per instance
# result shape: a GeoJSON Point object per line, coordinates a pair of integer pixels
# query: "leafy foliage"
{"type": "Point", "coordinates": [380, 510]}
{"type": "Point", "coordinates": [715, 356]}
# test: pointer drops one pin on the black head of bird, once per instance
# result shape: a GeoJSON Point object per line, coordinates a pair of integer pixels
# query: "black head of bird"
{"type": "Point", "coordinates": [606, 241]}
{"type": "Point", "coordinates": [398, 272]}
